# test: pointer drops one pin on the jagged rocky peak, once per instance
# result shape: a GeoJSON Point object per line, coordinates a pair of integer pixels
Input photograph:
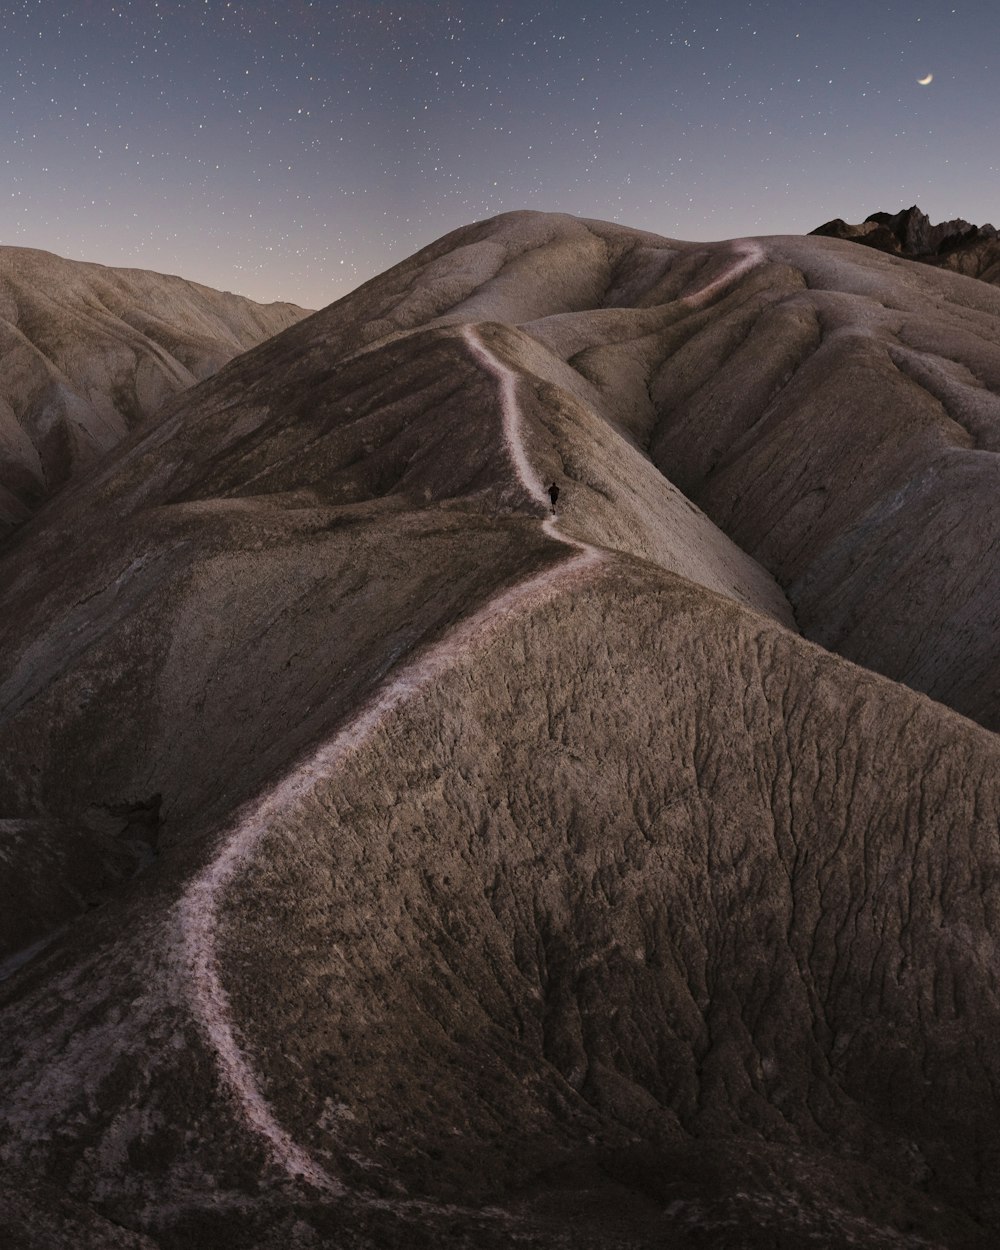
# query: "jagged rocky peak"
{"type": "Point", "coordinates": [917, 237]}
{"type": "Point", "coordinates": [956, 244]}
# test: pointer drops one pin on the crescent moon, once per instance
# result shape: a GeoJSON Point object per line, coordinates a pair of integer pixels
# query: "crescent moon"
{"type": "Point", "coordinates": [924, 82]}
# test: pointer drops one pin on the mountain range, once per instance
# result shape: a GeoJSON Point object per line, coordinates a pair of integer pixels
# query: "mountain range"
{"type": "Point", "coordinates": [395, 857]}
{"type": "Point", "coordinates": [956, 245]}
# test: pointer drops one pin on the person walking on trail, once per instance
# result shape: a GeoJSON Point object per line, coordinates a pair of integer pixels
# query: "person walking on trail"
{"type": "Point", "coordinates": [553, 496]}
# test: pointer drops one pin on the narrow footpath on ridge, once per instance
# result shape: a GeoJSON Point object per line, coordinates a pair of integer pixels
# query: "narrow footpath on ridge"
{"type": "Point", "coordinates": [197, 909]}
{"type": "Point", "coordinates": [747, 255]}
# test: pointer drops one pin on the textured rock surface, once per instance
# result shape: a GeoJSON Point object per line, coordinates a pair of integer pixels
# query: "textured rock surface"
{"type": "Point", "coordinates": [462, 875]}
{"type": "Point", "coordinates": [917, 236]}
{"type": "Point", "coordinates": [89, 351]}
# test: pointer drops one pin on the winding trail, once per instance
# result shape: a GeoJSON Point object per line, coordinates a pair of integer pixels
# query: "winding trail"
{"type": "Point", "coordinates": [197, 909]}
{"type": "Point", "coordinates": [746, 256]}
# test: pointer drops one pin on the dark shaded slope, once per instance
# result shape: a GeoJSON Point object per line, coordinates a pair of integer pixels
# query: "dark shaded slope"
{"type": "Point", "coordinates": [956, 245]}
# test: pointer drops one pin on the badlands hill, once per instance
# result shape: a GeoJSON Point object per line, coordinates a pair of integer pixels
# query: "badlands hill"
{"type": "Point", "coordinates": [89, 351]}
{"type": "Point", "coordinates": [391, 862]}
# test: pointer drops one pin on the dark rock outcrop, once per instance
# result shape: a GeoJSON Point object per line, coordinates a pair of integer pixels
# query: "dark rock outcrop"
{"type": "Point", "coordinates": [870, 233]}
{"type": "Point", "coordinates": [956, 245]}
{"type": "Point", "coordinates": [917, 237]}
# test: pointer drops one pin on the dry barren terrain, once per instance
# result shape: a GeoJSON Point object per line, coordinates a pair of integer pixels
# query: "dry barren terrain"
{"type": "Point", "coordinates": [89, 352]}
{"type": "Point", "coordinates": [391, 860]}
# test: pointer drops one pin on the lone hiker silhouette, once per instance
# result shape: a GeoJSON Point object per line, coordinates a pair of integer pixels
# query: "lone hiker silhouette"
{"type": "Point", "coordinates": [553, 495]}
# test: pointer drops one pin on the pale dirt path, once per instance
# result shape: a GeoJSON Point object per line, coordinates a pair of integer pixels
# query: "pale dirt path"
{"type": "Point", "coordinates": [747, 255]}
{"type": "Point", "coordinates": [198, 908]}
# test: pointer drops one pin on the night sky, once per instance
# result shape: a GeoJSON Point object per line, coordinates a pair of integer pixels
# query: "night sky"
{"type": "Point", "coordinates": [292, 150]}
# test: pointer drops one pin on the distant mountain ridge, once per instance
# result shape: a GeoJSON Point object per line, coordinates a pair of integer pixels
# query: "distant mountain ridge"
{"type": "Point", "coordinates": [90, 351]}
{"type": "Point", "coordinates": [957, 245]}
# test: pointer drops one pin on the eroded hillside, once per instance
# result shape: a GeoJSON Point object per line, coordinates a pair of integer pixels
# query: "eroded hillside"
{"type": "Point", "coordinates": [89, 351]}
{"type": "Point", "coordinates": [395, 861]}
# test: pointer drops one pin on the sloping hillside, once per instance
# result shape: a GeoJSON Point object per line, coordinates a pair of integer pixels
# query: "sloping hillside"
{"type": "Point", "coordinates": [464, 873]}
{"type": "Point", "coordinates": [89, 351]}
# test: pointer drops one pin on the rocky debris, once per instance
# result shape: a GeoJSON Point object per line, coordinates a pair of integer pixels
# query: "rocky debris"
{"type": "Point", "coordinates": [89, 352]}
{"type": "Point", "coordinates": [956, 245]}
{"type": "Point", "coordinates": [524, 879]}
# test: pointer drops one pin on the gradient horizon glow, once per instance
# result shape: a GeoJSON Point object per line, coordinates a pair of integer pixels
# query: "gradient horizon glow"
{"type": "Point", "coordinates": [293, 150]}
